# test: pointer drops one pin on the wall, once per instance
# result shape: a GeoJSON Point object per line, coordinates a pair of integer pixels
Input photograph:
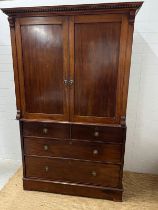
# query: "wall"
{"type": "Point", "coordinates": [142, 115]}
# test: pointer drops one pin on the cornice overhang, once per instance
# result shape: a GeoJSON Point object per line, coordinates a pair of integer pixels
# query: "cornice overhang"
{"type": "Point", "coordinates": [135, 6]}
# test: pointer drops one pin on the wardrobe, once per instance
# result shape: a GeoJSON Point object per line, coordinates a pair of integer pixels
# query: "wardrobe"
{"type": "Point", "coordinates": [71, 69]}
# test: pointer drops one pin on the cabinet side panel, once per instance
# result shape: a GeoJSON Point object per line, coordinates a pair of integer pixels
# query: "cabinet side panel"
{"type": "Point", "coordinates": [127, 66]}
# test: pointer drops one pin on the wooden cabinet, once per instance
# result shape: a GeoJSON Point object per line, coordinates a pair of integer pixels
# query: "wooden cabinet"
{"type": "Point", "coordinates": [71, 67]}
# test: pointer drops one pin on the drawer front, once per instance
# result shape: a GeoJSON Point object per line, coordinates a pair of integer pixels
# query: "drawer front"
{"type": "Point", "coordinates": [72, 171]}
{"type": "Point", "coordinates": [52, 130]}
{"type": "Point", "coordinates": [73, 149]}
{"type": "Point", "coordinates": [90, 132]}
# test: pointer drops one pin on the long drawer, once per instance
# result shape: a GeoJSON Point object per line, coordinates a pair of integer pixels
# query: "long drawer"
{"type": "Point", "coordinates": [52, 130]}
{"type": "Point", "coordinates": [101, 133]}
{"type": "Point", "coordinates": [72, 171]}
{"type": "Point", "coordinates": [73, 149]}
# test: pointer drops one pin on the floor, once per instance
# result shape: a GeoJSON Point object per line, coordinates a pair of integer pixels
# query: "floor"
{"type": "Point", "coordinates": [7, 170]}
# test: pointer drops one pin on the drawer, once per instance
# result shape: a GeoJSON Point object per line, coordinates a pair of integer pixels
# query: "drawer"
{"type": "Point", "coordinates": [52, 130]}
{"type": "Point", "coordinates": [102, 133]}
{"type": "Point", "coordinates": [74, 171]}
{"type": "Point", "coordinates": [73, 149]}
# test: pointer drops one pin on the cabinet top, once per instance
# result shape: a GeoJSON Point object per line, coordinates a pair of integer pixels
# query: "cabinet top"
{"type": "Point", "coordinates": [73, 9]}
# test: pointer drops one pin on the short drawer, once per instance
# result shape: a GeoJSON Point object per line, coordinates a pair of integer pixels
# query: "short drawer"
{"type": "Point", "coordinates": [52, 130]}
{"type": "Point", "coordinates": [103, 133]}
{"type": "Point", "coordinates": [72, 171]}
{"type": "Point", "coordinates": [73, 149]}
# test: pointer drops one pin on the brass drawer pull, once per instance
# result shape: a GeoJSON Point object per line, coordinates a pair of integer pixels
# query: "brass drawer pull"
{"type": "Point", "coordinates": [96, 133]}
{"type": "Point", "coordinates": [45, 147]}
{"type": "Point", "coordinates": [46, 168]}
{"type": "Point", "coordinates": [95, 152]}
{"type": "Point", "coordinates": [94, 173]}
{"type": "Point", "coordinates": [45, 130]}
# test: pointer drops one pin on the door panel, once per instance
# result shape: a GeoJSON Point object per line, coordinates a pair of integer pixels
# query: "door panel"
{"type": "Point", "coordinates": [44, 46]}
{"type": "Point", "coordinates": [95, 67]}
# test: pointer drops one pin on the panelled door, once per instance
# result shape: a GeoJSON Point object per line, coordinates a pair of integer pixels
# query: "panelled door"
{"type": "Point", "coordinates": [72, 68]}
{"type": "Point", "coordinates": [97, 51]}
{"type": "Point", "coordinates": [43, 65]}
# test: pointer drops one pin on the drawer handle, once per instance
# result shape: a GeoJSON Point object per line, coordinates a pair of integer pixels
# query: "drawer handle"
{"type": "Point", "coordinates": [46, 168]}
{"type": "Point", "coordinates": [96, 133]}
{"type": "Point", "coordinates": [45, 147]}
{"type": "Point", "coordinates": [45, 130]}
{"type": "Point", "coordinates": [94, 173]}
{"type": "Point", "coordinates": [95, 152]}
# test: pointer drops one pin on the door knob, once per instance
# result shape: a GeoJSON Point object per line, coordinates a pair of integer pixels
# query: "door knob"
{"type": "Point", "coordinates": [66, 82]}
{"type": "Point", "coordinates": [71, 82]}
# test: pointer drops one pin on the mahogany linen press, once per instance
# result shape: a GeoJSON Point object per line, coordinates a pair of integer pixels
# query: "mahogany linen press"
{"type": "Point", "coordinates": [71, 70]}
